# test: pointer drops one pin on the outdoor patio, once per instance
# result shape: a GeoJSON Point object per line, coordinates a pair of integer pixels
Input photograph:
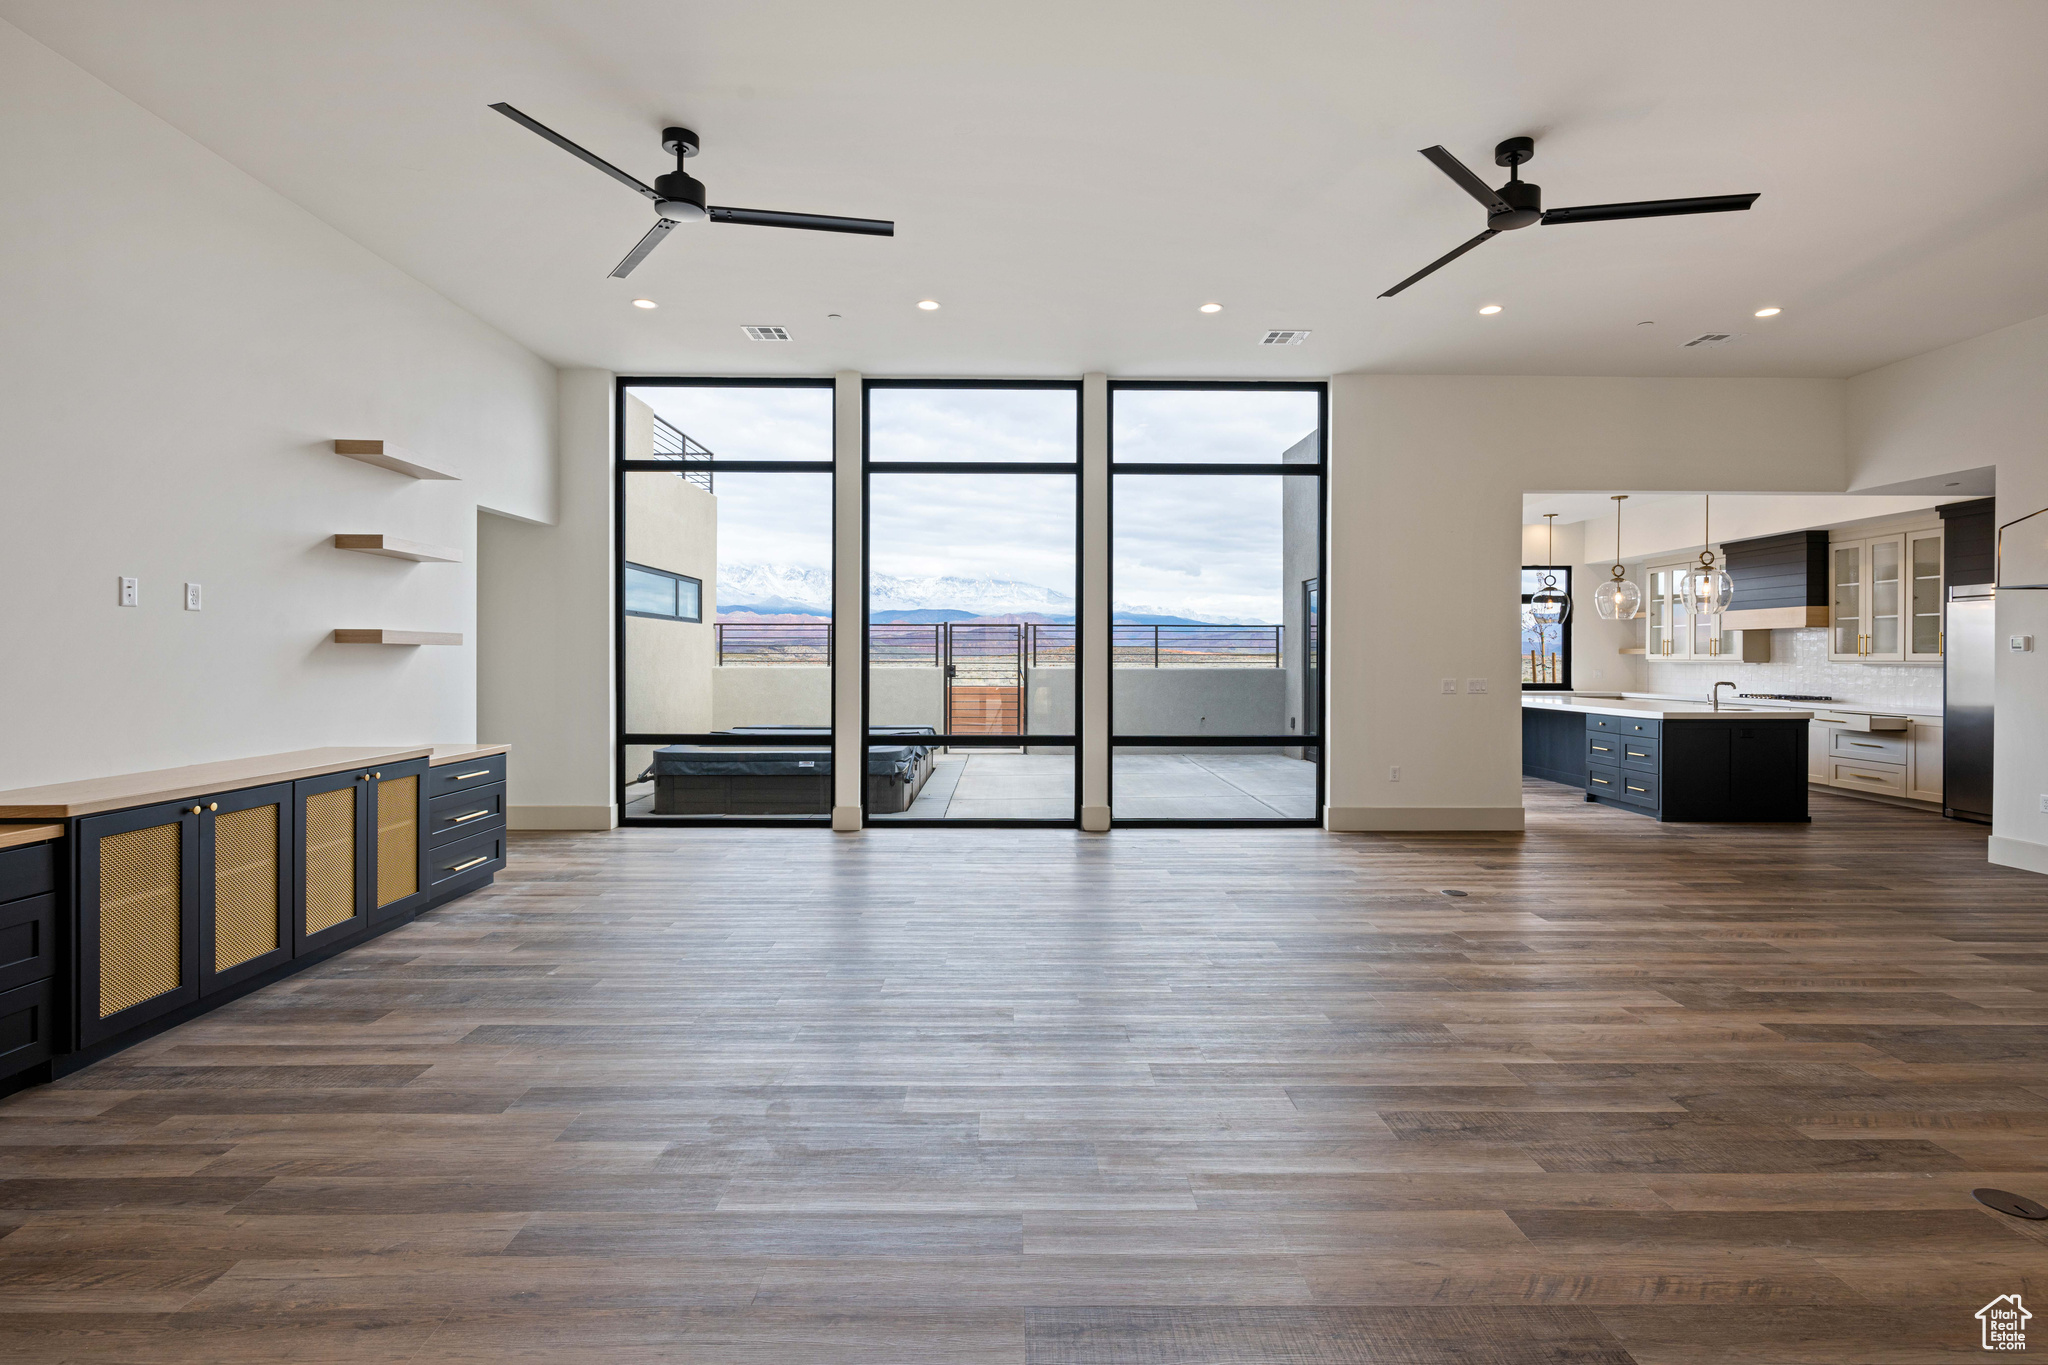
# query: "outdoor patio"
{"type": "Point", "coordinates": [1216, 785]}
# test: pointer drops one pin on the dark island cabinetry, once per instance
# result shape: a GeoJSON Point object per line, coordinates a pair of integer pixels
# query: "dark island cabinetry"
{"type": "Point", "coordinates": [1724, 766]}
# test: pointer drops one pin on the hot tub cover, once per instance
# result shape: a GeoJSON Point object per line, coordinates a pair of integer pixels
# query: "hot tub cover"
{"type": "Point", "coordinates": [693, 760]}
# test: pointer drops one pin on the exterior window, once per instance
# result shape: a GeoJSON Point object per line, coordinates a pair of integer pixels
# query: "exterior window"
{"type": "Point", "coordinates": [1546, 649]}
{"type": "Point", "coordinates": [664, 595]}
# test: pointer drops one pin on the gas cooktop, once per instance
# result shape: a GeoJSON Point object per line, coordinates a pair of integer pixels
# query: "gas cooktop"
{"type": "Point", "coordinates": [1779, 696]}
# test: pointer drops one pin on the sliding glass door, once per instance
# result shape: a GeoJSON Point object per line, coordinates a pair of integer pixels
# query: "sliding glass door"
{"type": "Point", "coordinates": [725, 592]}
{"type": "Point", "coordinates": [972, 571]}
{"type": "Point", "coordinates": [1216, 571]}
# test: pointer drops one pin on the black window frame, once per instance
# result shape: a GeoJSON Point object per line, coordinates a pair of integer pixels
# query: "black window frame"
{"type": "Point", "coordinates": [1311, 738]}
{"type": "Point", "coordinates": [1564, 630]}
{"type": "Point", "coordinates": [622, 385]}
{"type": "Point", "coordinates": [673, 577]}
{"type": "Point", "coordinates": [1071, 469]}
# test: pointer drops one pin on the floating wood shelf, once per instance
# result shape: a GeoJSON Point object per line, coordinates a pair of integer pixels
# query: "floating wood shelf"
{"type": "Point", "coordinates": [391, 547]}
{"type": "Point", "coordinates": [1634, 649]}
{"type": "Point", "coordinates": [387, 456]}
{"type": "Point", "coordinates": [397, 637]}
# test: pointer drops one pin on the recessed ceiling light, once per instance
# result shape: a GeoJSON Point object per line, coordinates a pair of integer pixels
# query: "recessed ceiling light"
{"type": "Point", "coordinates": [1490, 309]}
{"type": "Point", "coordinates": [1768, 312]}
{"type": "Point", "coordinates": [1952, 485]}
{"type": "Point", "coordinates": [928, 305]}
{"type": "Point", "coordinates": [1648, 323]}
{"type": "Point", "coordinates": [645, 303]}
{"type": "Point", "coordinates": [1212, 308]}
{"type": "Point", "coordinates": [831, 315]}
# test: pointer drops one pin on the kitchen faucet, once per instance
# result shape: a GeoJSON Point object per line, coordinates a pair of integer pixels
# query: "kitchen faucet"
{"type": "Point", "coordinates": [1715, 695]}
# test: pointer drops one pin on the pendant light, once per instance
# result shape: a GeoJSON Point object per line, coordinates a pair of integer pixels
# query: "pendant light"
{"type": "Point", "coordinates": [1706, 590]}
{"type": "Point", "coordinates": [1549, 604]}
{"type": "Point", "coordinates": [1619, 600]}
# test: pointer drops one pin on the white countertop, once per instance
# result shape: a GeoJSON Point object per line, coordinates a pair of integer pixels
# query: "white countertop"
{"type": "Point", "coordinates": [1856, 708]}
{"type": "Point", "coordinates": [1646, 708]}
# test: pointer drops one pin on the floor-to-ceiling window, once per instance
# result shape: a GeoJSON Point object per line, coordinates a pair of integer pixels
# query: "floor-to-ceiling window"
{"type": "Point", "coordinates": [725, 600]}
{"type": "Point", "coordinates": [1216, 573]}
{"type": "Point", "coordinates": [973, 558]}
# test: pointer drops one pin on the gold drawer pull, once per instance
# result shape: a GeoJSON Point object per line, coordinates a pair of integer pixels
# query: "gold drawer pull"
{"type": "Point", "coordinates": [464, 867]}
{"type": "Point", "coordinates": [1601, 747]}
{"type": "Point", "coordinates": [473, 815]}
{"type": "Point", "coordinates": [1865, 777]}
{"type": "Point", "coordinates": [1603, 781]}
{"type": "Point", "coordinates": [1639, 789]}
{"type": "Point", "coordinates": [464, 777]}
{"type": "Point", "coordinates": [1861, 744]}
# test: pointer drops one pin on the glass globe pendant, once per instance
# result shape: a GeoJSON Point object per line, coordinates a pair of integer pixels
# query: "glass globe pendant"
{"type": "Point", "coordinates": [1619, 600]}
{"type": "Point", "coordinates": [1706, 589]}
{"type": "Point", "coordinates": [1549, 604]}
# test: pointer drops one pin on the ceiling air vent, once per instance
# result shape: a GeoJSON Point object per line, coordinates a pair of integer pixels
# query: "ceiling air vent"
{"type": "Point", "coordinates": [1283, 337]}
{"type": "Point", "coordinates": [1713, 339]}
{"type": "Point", "coordinates": [766, 333]}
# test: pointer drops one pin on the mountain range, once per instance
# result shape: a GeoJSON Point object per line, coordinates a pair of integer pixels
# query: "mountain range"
{"type": "Point", "coordinates": [805, 590]}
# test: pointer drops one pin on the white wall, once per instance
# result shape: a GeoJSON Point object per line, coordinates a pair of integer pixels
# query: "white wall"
{"type": "Point", "coordinates": [1427, 477]}
{"type": "Point", "coordinates": [180, 346]}
{"type": "Point", "coordinates": [1978, 402]}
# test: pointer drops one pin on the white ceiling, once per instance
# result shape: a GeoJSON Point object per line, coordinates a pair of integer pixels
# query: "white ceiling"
{"type": "Point", "coordinates": [1072, 179]}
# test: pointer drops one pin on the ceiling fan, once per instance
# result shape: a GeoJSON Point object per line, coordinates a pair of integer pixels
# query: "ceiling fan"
{"type": "Point", "coordinates": [1519, 203]}
{"type": "Point", "coordinates": [678, 197]}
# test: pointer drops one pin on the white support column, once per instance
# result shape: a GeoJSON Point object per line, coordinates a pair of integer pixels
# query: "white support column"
{"type": "Point", "coordinates": [849, 586]}
{"type": "Point", "coordinates": [1095, 608]}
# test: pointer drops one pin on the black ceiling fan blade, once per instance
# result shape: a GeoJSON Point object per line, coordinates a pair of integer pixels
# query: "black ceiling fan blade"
{"type": "Point", "coordinates": [573, 150]}
{"type": "Point", "coordinates": [1468, 182]}
{"type": "Point", "coordinates": [661, 229]}
{"type": "Point", "coordinates": [1440, 262]}
{"type": "Point", "coordinates": [1651, 208]}
{"type": "Point", "coordinates": [816, 222]}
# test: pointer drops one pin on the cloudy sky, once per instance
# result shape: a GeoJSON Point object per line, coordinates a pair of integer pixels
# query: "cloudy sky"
{"type": "Point", "coordinates": [1199, 546]}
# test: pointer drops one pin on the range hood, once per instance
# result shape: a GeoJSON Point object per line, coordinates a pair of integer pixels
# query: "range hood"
{"type": "Point", "coordinates": [1781, 582]}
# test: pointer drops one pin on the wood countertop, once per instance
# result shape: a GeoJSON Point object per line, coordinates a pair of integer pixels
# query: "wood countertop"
{"type": "Point", "coordinates": [64, 800]}
{"type": "Point", "coordinates": [14, 836]}
{"type": "Point", "coordinates": [464, 753]}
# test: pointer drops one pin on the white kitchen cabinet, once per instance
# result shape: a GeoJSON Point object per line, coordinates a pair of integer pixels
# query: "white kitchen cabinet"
{"type": "Point", "coordinates": [1924, 771]}
{"type": "Point", "coordinates": [1671, 634]}
{"type": "Point", "coordinates": [1817, 751]}
{"type": "Point", "coordinates": [1884, 598]}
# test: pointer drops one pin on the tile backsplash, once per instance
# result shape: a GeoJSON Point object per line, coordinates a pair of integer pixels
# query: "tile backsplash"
{"type": "Point", "coordinates": [1799, 663]}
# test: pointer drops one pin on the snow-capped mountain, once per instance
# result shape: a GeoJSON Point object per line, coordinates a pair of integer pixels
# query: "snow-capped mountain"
{"type": "Point", "coordinates": [790, 589]}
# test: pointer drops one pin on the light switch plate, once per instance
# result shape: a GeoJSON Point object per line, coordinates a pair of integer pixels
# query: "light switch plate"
{"type": "Point", "coordinates": [191, 597]}
{"type": "Point", "coordinates": [1450, 687]}
{"type": "Point", "coordinates": [1475, 686]}
{"type": "Point", "coordinates": [131, 592]}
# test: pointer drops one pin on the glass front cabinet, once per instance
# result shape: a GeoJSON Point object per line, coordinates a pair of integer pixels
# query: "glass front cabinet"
{"type": "Point", "coordinates": [1884, 598]}
{"type": "Point", "coordinates": [1670, 632]}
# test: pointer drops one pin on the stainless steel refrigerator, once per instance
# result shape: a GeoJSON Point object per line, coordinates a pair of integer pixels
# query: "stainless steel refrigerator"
{"type": "Point", "coordinates": [1969, 654]}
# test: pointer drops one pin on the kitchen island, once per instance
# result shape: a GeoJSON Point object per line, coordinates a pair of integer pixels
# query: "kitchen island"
{"type": "Point", "coordinates": [1670, 760]}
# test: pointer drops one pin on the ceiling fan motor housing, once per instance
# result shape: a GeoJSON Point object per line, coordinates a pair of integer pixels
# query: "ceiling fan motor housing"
{"type": "Point", "coordinates": [682, 196]}
{"type": "Point", "coordinates": [1525, 206]}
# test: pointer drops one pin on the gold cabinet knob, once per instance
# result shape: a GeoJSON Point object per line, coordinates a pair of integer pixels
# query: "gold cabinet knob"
{"type": "Point", "coordinates": [213, 805]}
{"type": "Point", "coordinates": [195, 810]}
{"type": "Point", "coordinates": [376, 774]}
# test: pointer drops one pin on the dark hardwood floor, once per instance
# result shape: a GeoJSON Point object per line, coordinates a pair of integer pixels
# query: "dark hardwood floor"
{"type": "Point", "coordinates": [1666, 1094]}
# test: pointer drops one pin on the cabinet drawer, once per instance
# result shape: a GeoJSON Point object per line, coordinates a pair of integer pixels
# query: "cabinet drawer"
{"type": "Point", "coordinates": [1870, 777]}
{"type": "Point", "coordinates": [457, 813]}
{"type": "Point", "coordinates": [1864, 724]}
{"type": "Point", "coordinates": [1866, 746]}
{"type": "Point", "coordinates": [1638, 786]}
{"type": "Point", "coordinates": [455, 777]}
{"type": "Point", "coordinates": [1603, 750]}
{"type": "Point", "coordinates": [1623, 725]}
{"type": "Point", "coordinates": [28, 941]}
{"type": "Point", "coordinates": [28, 1024]}
{"type": "Point", "coordinates": [1639, 754]}
{"type": "Point", "coordinates": [28, 871]}
{"type": "Point", "coordinates": [473, 856]}
{"type": "Point", "coordinates": [1603, 781]}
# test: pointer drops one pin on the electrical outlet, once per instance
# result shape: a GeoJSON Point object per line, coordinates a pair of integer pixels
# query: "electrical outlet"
{"type": "Point", "coordinates": [191, 597]}
{"type": "Point", "coordinates": [1394, 775]}
{"type": "Point", "coordinates": [1450, 687]}
{"type": "Point", "coordinates": [131, 592]}
{"type": "Point", "coordinates": [1475, 686]}
{"type": "Point", "coordinates": [2020, 644]}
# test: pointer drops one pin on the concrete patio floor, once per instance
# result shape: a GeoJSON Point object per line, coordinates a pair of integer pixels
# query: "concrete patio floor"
{"type": "Point", "coordinates": [1216, 785]}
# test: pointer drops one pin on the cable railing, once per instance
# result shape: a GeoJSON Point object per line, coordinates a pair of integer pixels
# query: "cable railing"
{"type": "Point", "coordinates": [671, 444]}
{"type": "Point", "coordinates": [1036, 645]}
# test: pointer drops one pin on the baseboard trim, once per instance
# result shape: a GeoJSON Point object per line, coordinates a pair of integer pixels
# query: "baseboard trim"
{"type": "Point", "coordinates": [1095, 819]}
{"type": "Point", "coordinates": [2024, 854]}
{"type": "Point", "coordinates": [846, 819]}
{"type": "Point", "coordinates": [561, 817]}
{"type": "Point", "coordinates": [1416, 819]}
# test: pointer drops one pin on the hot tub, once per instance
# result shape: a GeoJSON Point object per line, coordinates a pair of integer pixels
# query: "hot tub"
{"type": "Point", "coordinates": [707, 779]}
